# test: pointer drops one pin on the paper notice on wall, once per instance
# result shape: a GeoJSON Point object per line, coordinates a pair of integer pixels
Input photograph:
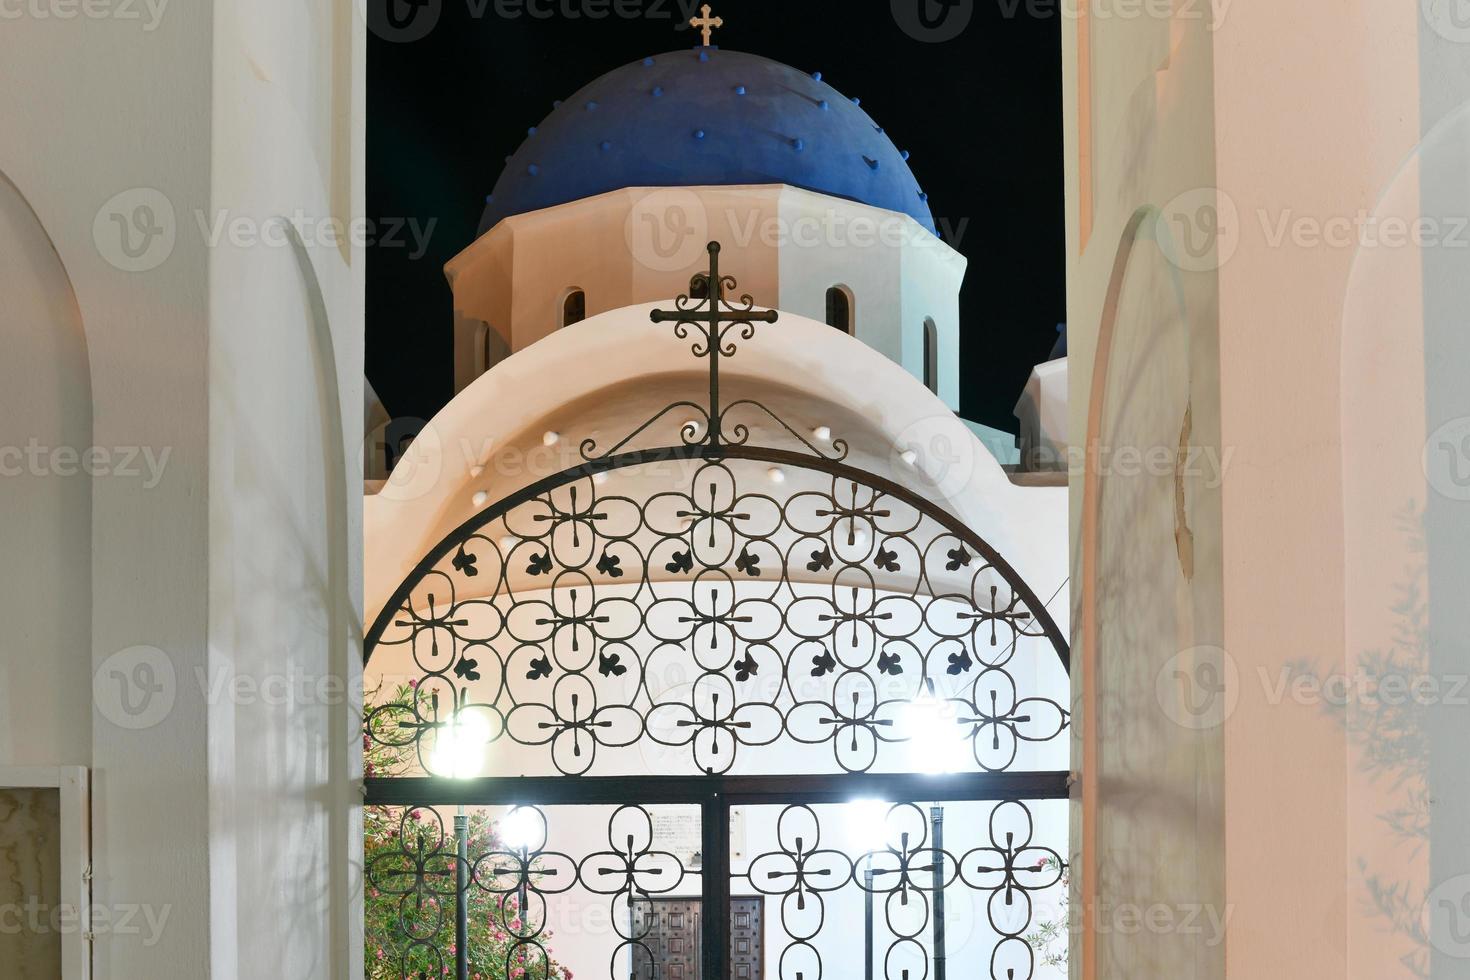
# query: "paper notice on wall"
{"type": "Point", "coordinates": [680, 832]}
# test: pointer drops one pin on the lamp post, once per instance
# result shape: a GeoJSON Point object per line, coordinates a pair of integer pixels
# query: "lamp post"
{"type": "Point", "coordinates": [459, 753]}
{"type": "Point", "coordinates": [461, 897]}
{"type": "Point", "coordinates": [869, 819]}
{"type": "Point", "coordinates": [868, 920]}
{"type": "Point", "coordinates": [936, 821]}
{"type": "Point", "coordinates": [518, 831]}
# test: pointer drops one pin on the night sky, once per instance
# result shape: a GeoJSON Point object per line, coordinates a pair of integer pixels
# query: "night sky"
{"type": "Point", "coordinates": [453, 84]}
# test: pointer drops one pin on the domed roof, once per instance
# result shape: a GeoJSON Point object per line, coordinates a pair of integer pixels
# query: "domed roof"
{"type": "Point", "coordinates": [706, 116]}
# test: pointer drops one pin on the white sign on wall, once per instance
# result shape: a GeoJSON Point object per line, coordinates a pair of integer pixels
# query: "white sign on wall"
{"type": "Point", "coordinates": [680, 832]}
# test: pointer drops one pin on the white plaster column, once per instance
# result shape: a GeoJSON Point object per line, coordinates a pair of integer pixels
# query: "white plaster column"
{"type": "Point", "coordinates": [235, 366]}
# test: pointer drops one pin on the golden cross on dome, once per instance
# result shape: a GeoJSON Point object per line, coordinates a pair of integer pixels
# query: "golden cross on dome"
{"type": "Point", "coordinates": [706, 23]}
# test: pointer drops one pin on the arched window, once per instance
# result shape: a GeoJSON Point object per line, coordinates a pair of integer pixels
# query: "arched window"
{"type": "Point", "coordinates": [482, 349]}
{"type": "Point", "coordinates": [699, 287]}
{"type": "Point", "coordinates": [931, 355]}
{"type": "Point", "coordinates": [574, 307]}
{"type": "Point", "coordinates": [839, 309]}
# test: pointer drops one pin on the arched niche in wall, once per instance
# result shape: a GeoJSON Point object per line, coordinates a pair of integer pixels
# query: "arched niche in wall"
{"type": "Point", "coordinates": [841, 309]}
{"type": "Point", "coordinates": [573, 306]}
{"type": "Point", "coordinates": [1136, 606]}
{"type": "Point", "coordinates": [46, 470]}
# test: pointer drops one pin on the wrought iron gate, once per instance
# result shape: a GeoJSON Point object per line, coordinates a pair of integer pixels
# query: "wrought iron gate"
{"type": "Point", "coordinates": [594, 638]}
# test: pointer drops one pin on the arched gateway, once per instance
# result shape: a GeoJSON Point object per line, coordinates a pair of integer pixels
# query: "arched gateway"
{"type": "Point", "coordinates": [728, 730]}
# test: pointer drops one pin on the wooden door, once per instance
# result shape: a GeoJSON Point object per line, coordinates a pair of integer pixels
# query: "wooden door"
{"type": "Point", "coordinates": [670, 930]}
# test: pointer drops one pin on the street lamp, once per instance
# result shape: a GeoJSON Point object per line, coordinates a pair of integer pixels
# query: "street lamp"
{"type": "Point", "coordinates": [459, 753]}
{"type": "Point", "coordinates": [519, 830]}
{"type": "Point", "coordinates": [936, 738]}
{"type": "Point", "coordinates": [460, 746]}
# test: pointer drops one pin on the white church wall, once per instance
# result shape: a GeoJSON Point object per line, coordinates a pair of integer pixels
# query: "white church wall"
{"type": "Point", "coordinates": [616, 369]}
{"type": "Point", "coordinates": [786, 245]}
{"type": "Point", "coordinates": [100, 111]}
{"type": "Point", "coordinates": [285, 481]}
{"type": "Point", "coordinates": [110, 125]}
{"type": "Point", "coordinates": [1042, 414]}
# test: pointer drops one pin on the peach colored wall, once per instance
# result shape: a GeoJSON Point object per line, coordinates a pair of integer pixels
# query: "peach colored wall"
{"type": "Point", "coordinates": [1323, 154]}
{"type": "Point", "coordinates": [1262, 153]}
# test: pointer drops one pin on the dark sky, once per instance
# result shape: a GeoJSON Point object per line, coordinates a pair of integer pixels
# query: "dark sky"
{"type": "Point", "coordinates": [452, 88]}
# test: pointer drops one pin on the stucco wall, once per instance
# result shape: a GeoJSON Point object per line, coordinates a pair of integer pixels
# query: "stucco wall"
{"type": "Point", "coordinates": [155, 144]}
{"type": "Point", "coordinates": [1293, 153]}
{"type": "Point", "coordinates": [784, 244]}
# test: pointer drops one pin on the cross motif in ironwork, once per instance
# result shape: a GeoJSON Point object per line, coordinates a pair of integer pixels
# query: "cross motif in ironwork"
{"type": "Point", "coordinates": [713, 513]}
{"type": "Point", "coordinates": [1010, 614]}
{"type": "Point", "coordinates": [557, 621]}
{"type": "Point", "coordinates": [705, 23]}
{"type": "Point", "coordinates": [575, 517]}
{"type": "Point", "coordinates": [1008, 719]}
{"type": "Point", "coordinates": [869, 513]}
{"type": "Point", "coordinates": [712, 619]}
{"type": "Point", "coordinates": [714, 319]}
{"type": "Point", "coordinates": [854, 617]}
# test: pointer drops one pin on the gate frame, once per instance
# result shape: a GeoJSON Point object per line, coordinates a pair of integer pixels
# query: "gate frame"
{"type": "Point", "coordinates": [711, 322]}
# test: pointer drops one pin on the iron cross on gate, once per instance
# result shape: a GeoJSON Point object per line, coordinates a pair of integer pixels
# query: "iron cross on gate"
{"type": "Point", "coordinates": [715, 319]}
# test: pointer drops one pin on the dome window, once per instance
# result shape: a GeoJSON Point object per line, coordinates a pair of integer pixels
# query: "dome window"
{"type": "Point", "coordinates": [574, 307]}
{"type": "Point", "coordinates": [839, 309]}
{"type": "Point", "coordinates": [699, 287]}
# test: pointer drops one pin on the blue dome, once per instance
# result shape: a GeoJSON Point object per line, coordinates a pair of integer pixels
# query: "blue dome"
{"type": "Point", "coordinates": [706, 117]}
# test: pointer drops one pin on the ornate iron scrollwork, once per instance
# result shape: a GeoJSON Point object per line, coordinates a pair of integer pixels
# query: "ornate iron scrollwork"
{"type": "Point", "coordinates": [821, 618]}
{"type": "Point", "coordinates": [835, 626]}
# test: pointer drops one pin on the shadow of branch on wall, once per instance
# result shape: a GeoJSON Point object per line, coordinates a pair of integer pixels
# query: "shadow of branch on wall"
{"type": "Point", "coordinates": [1386, 724]}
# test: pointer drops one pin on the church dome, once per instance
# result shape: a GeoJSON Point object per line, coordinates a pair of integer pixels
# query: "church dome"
{"type": "Point", "coordinates": [706, 116]}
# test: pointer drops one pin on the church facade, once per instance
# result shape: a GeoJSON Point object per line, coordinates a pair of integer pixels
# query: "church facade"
{"type": "Point", "coordinates": [700, 564]}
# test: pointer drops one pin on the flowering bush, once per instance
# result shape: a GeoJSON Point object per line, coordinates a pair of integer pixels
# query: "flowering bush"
{"type": "Point", "coordinates": [1048, 940]}
{"type": "Point", "coordinates": [409, 857]}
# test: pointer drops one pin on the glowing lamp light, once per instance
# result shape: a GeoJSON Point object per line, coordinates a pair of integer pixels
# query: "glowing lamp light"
{"type": "Point", "coordinates": [459, 749]}
{"type": "Point", "coordinates": [519, 829]}
{"type": "Point", "coordinates": [867, 822]}
{"type": "Point", "coordinates": [937, 743]}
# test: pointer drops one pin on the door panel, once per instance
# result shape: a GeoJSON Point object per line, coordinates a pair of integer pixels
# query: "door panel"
{"type": "Point", "coordinates": [671, 932]}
